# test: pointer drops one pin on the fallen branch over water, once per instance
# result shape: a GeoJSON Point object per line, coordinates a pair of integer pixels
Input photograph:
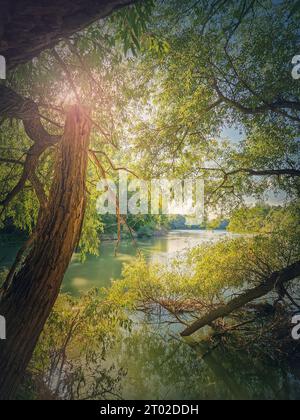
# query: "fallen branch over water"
{"type": "Point", "coordinates": [275, 281]}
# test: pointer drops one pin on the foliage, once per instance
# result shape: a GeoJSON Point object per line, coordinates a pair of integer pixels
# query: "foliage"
{"type": "Point", "coordinates": [263, 218]}
{"type": "Point", "coordinates": [131, 27]}
{"type": "Point", "coordinates": [211, 274]}
{"type": "Point", "coordinates": [160, 110]}
{"type": "Point", "coordinates": [82, 333]}
{"type": "Point", "coordinates": [209, 99]}
{"type": "Point", "coordinates": [71, 357]}
{"type": "Point", "coordinates": [97, 61]}
{"type": "Point", "coordinates": [188, 89]}
{"type": "Point", "coordinates": [92, 227]}
{"type": "Point", "coordinates": [249, 219]}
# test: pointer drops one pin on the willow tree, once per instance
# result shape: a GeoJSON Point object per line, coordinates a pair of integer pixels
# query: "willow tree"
{"type": "Point", "coordinates": [28, 295]}
{"type": "Point", "coordinates": [228, 68]}
{"type": "Point", "coordinates": [45, 149]}
{"type": "Point", "coordinates": [216, 76]}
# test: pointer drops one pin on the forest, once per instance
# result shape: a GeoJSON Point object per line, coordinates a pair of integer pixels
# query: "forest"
{"type": "Point", "coordinates": [149, 305]}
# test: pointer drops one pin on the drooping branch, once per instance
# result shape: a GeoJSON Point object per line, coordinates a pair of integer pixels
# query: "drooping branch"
{"type": "Point", "coordinates": [67, 74]}
{"type": "Point", "coordinates": [272, 283]}
{"type": "Point", "coordinates": [13, 105]}
{"type": "Point", "coordinates": [275, 105]}
{"type": "Point", "coordinates": [268, 172]}
{"type": "Point", "coordinates": [112, 165]}
{"type": "Point", "coordinates": [85, 67]}
{"type": "Point", "coordinates": [72, 85]}
{"type": "Point", "coordinates": [121, 220]}
{"type": "Point", "coordinates": [30, 166]}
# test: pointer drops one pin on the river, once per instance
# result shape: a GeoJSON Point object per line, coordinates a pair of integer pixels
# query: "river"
{"type": "Point", "coordinates": [99, 271]}
{"type": "Point", "coordinates": [161, 367]}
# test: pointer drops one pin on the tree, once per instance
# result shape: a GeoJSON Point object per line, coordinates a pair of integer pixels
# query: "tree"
{"type": "Point", "coordinates": [214, 77]}
{"type": "Point", "coordinates": [28, 295]}
{"type": "Point", "coordinates": [202, 75]}
{"type": "Point", "coordinates": [222, 281]}
{"type": "Point", "coordinates": [61, 160]}
{"type": "Point", "coordinates": [27, 29]}
{"type": "Point", "coordinates": [277, 279]}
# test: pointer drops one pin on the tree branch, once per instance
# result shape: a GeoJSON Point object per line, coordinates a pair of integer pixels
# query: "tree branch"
{"type": "Point", "coordinates": [294, 173]}
{"type": "Point", "coordinates": [39, 190]}
{"type": "Point", "coordinates": [112, 165]}
{"type": "Point", "coordinates": [277, 278]}
{"type": "Point", "coordinates": [13, 105]}
{"type": "Point", "coordinates": [277, 106]}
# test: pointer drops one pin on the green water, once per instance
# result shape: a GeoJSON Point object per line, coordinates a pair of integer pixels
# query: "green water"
{"type": "Point", "coordinates": [99, 271]}
{"type": "Point", "coordinates": [158, 365]}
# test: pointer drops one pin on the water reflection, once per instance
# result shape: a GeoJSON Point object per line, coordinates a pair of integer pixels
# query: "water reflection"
{"type": "Point", "coordinates": [161, 367]}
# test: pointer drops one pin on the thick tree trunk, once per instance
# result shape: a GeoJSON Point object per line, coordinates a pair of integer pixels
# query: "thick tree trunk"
{"type": "Point", "coordinates": [28, 299]}
{"type": "Point", "coordinates": [29, 27]}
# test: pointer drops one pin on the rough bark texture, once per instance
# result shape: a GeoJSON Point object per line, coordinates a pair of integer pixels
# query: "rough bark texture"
{"type": "Point", "coordinates": [29, 27]}
{"type": "Point", "coordinates": [27, 300]}
{"type": "Point", "coordinates": [277, 279]}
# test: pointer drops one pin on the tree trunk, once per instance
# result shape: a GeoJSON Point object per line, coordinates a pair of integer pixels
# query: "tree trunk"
{"type": "Point", "coordinates": [26, 302]}
{"type": "Point", "coordinates": [29, 27]}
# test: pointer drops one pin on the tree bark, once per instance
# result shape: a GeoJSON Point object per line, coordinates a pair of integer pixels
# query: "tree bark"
{"type": "Point", "coordinates": [275, 280]}
{"type": "Point", "coordinates": [29, 27]}
{"type": "Point", "coordinates": [27, 300]}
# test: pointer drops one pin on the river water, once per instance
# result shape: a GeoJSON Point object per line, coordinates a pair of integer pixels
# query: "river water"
{"type": "Point", "coordinates": [162, 367]}
{"type": "Point", "coordinates": [99, 271]}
